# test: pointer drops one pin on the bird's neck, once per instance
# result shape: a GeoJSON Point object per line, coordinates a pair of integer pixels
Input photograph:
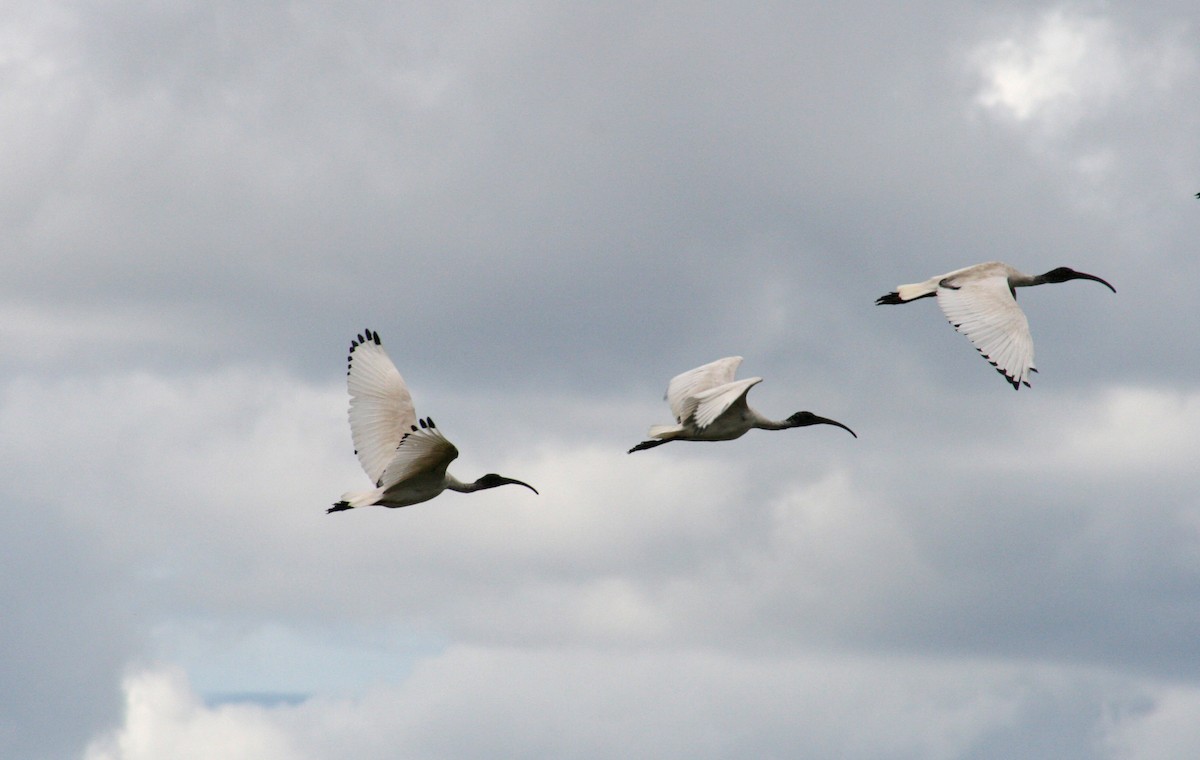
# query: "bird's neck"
{"type": "Point", "coordinates": [1028, 280]}
{"type": "Point", "coordinates": [762, 423]}
{"type": "Point", "coordinates": [454, 484]}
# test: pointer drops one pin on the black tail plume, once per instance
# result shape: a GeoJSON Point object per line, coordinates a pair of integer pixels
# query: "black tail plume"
{"type": "Point", "coordinates": [648, 445]}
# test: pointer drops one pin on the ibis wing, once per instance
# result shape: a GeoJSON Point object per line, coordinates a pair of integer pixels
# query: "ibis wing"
{"type": "Point", "coordinates": [683, 389]}
{"type": "Point", "coordinates": [985, 311]}
{"type": "Point", "coordinates": [423, 452]}
{"type": "Point", "coordinates": [714, 402]}
{"type": "Point", "coordinates": [381, 409]}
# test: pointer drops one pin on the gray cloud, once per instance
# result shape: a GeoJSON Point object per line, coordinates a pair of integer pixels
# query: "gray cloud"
{"type": "Point", "coordinates": [547, 213]}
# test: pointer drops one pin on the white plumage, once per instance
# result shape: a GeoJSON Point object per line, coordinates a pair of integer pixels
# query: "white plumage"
{"type": "Point", "coordinates": [981, 302]}
{"type": "Point", "coordinates": [405, 458]}
{"type": "Point", "coordinates": [381, 408]}
{"type": "Point", "coordinates": [710, 405]}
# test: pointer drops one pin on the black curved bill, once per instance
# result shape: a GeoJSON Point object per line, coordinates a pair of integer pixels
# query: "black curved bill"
{"type": "Point", "coordinates": [826, 421]}
{"type": "Point", "coordinates": [1102, 281]}
{"type": "Point", "coordinates": [514, 482]}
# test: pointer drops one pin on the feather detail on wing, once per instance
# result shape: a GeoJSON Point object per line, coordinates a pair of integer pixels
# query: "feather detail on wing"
{"type": "Point", "coordinates": [683, 389]}
{"type": "Point", "coordinates": [714, 402]}
{"type": "Point", "coordinates": [381, 409]}
{"type": "Point", "coordinates": [985, 311]}
{"type": "Point", "coordinates": [422, 452]}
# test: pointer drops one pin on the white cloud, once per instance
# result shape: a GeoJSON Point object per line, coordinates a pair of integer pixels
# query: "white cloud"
{"type": "Point", "coordinates": [163, 718]}
{"type": "Point", "coordinates": [1064, 64]}
{"type": "Point", "coordinates": [1115, 433]}
{"type": "Point", "coordinates": [1094, 95]}
{"type": "Point", "coordinates": [1149, 432]}
{"type": "Point", "coordinates": [577, 702]}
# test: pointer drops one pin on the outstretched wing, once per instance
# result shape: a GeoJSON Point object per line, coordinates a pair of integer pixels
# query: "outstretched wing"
{"type": "Point", "coordinates": [381, 410]}
{"type": "Point", "coordinates": [714, 402]}
{"type": "Point", "coordinates": [423, 452]}
{"type": "Point", "coordinates": [987, 313]}
{"type": "Point", "coordinates": [683, 389]}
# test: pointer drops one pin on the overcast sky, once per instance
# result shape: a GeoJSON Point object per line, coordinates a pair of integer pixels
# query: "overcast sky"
{"type": "Point", "coordinates": [547, 210]}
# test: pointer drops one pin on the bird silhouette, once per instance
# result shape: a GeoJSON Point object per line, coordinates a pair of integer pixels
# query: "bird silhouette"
{"type": "Point", "coordinates": [981, 302]}
{"type": "Point", "coordinates": [406, 458]}
{"type": "Point", "coordinates": [709, 405]}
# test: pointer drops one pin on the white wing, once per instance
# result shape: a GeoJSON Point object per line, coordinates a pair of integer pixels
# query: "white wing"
{"type": "Point", "coordinates": [423, 452]}
{"type": "Point", "coordinates": [985, 311]}
{"type": "Point", "coordinates": [712, 403]}
{"type": "Point", "coordinates": [683, 389]}
{"type": "Point", "coordinates": [381, 410]}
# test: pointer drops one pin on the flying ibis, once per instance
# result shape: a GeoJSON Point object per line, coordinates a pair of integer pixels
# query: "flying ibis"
{"type": "Point", "coordinates": [405, 457]}
{"type": "Point", "coordinates": [709, 405]}
{"type": "Point", "coordinates": [981, 302]}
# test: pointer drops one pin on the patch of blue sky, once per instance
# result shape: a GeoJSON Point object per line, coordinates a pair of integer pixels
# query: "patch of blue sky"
{"type": "Point", "coordinates": [276, 663]}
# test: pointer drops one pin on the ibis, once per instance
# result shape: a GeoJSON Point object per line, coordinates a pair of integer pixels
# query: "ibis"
{"type": "Point", "coordinates": [404, 456]}
{"type": "Point", "coordinates": [709, 405]}
{"type": "Point", "coordinates": [981, 302]}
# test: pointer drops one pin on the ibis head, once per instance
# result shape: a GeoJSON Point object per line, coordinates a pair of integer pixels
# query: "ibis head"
{"type": "Point", "coordinates": [1062, 274]}
{"type": "Point", "coordinates": [492, 480]}
{"type": "Point", "coordinates": [803, 419]}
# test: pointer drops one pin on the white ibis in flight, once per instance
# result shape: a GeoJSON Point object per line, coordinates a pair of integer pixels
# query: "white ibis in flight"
{"type": "Point", "coordinates": [405, 457]}
{"type": "Point", "coordinates": [981, 303]}
{"type": "Point", "coordinates": [709, 405]}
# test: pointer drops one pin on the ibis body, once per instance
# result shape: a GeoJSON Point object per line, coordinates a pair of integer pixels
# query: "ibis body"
{"type": "Point", "coordinates": [981, 302]}
{"type": "Point", "coordinates": [406, 458]}
{"type": "Point", "coordinates": [710, 405]}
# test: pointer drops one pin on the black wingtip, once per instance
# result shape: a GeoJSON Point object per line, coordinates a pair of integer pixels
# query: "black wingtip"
{"type": "Point", "coordinates": [1016, 384]}
{"type": "Point", "coordinates": [889, 299]}
{"type": "Point", "coordinates": [366, 336]}
{"type": "Point", "coordinates": [340, 506]}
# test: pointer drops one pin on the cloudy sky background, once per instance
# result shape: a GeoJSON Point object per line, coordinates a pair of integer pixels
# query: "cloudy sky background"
{"type": "Point", "coordinates": [548, 210]}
